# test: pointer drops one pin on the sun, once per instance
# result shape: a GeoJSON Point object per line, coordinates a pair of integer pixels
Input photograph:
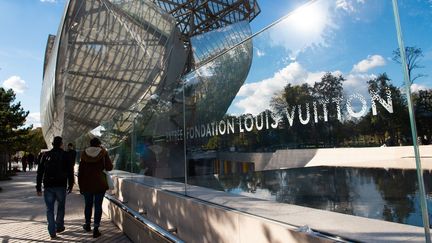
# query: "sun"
{"type": "Point", "coordinates": [310, 19]}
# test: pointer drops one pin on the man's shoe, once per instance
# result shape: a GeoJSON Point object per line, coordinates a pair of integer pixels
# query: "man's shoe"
{"type": "Point", "coordinates": [60, 229]}
{"type": "Point", "coordinates": [86, 227]}
{"type": "Point", "coordinates": [96, 233]}
{"type": "Point", "coordinates": [53, 237]}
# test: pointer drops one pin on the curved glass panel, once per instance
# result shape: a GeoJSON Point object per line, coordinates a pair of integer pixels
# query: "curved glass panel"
{"type": "Point", "coordinates": [301, 114]}
{"type": "Point", "coordinates": [113, 54]}
{"type": "Point", "coordinates": [320, 121]}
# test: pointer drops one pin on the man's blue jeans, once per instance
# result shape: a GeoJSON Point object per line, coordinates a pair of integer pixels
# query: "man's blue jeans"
{"type": "Point", "coordinates": [51, 195]}
{"type": "Point", "coordinates": [97, 199]}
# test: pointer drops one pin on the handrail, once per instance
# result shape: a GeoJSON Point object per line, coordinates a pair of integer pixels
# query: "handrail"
{"type": "Point", "coordinates": [165, 234]}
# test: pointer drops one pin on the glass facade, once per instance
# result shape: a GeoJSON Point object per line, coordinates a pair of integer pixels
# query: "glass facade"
{"type": "Point", "coordinates": [311, 110]}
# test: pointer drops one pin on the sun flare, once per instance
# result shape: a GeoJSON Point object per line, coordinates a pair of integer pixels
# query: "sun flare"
{"type": "Point", "coordinates": [309, 19]}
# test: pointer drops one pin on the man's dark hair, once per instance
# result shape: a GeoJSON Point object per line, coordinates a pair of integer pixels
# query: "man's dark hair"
{"type": "Point", "coordinates": [95, 142]}
{"type": "Point", "coordinates": [57, 142]}
{"type": "Point", "coordinates": [70, 144]}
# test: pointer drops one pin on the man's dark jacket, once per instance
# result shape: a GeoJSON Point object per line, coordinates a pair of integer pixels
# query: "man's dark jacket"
{"type": "Point", "coordinates": [68, 176]}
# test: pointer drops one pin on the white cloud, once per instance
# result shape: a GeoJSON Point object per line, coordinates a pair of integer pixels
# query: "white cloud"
{"type": "Point", "coordinates": [259, 52]}
{"type": "Point", "coordinates": [416, 87]}
{"type": "Point", "coordinates": [257, 95]}
{"type": "Point", "coordinates": [357, 83]}
{"type": "Point", "coordinates": [306, 27]}
{"type": "Point", "coordinates": [345, 5]}
{"type": "Point", "coordinates": [48, 1]}
{"type": "Point", "coordinates": [16, 83]}
{"type": "Point", "coordinates": [369, 63]}
{"type": "Point", "coordinates": [33, 118]}
{"type": "Point", "coordinates": [348, 5]}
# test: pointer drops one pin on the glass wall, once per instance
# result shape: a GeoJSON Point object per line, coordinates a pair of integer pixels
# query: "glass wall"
{"type": "Point", "coordinates": [322, 118]}
{"type": "Point", "coordinates": [307, 106]}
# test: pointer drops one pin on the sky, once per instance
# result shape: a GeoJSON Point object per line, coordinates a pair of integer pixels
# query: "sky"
{"type": "Point", "coordinates": [25, 26]}
{"type": "Point", "coordinates": [353, 38]}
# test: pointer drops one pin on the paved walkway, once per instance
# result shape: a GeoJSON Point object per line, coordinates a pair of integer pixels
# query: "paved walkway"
{"type": "Point", "coordinates": [22, 215]}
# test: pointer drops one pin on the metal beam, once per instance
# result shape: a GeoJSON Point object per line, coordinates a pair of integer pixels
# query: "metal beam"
{"type": "Point", "coordinates": [81, 121]}
{"type": "Point", "coordinates": [93, 76]}
{"type": "Point", "coordinates": [194, 19]}
{"type": "Point", "coordinates": [92, 102]}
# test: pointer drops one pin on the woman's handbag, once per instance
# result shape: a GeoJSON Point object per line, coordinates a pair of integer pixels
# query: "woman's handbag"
{"type": "Point", "coordinates": [108, 178]}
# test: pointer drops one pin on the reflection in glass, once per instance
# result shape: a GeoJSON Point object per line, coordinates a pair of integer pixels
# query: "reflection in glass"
{"type": "Point", "coordinates": [311, 110]}
{"type": "Point", "coordinates": [389, 195]}
{"type": "Point", "coordinates": [324, 89]}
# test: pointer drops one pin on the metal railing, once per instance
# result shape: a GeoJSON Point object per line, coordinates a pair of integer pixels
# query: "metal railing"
{"type": "Point", "coordinates": [163, 233]}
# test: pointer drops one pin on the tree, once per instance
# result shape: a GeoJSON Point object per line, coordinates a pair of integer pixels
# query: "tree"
{"type": "Point", "coordinates": [35, 141]}
{"type": "Point", "coordinates": [413, 56]}
{"type": "Point", "coordinates": [330, 88]}
{"type": "Point", "coordinates": [12, 118]}
{"type": "Point", "coordinates": [327, 132]}
{"type": "Point", "coordinates": [287, 101]}
{"type": "Point", "coordinates": [423, 111]}
{"type": "Point", "coordinates": [385, 124]}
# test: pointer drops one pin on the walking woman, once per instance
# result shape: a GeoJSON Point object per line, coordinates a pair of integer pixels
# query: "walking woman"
{"type": "Point", "coordinates": [92, 182]}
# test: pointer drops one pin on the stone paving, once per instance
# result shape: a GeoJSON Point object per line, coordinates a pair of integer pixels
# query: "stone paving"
{"type": "Point", "coordinates": [22, 215]}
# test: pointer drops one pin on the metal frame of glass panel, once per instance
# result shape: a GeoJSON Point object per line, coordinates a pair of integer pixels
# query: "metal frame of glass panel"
{"type": "Point", "coordinates": [110, 57]}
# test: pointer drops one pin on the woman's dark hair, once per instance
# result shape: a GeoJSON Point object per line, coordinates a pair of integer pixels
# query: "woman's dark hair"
{"type": "Point", "coordinates": [95, 142]}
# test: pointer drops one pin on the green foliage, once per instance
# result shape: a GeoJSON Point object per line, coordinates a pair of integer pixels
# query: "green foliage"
{"type": "Point", "coordinates": [12, 118]}
{"type": "Point", "coordinates": [311, 134]}
{"type": "Point", "coordinates": [423, 110]}
{"type": "Point", "coordinates": [213, 143]}
{"type": "Point", "coordinates": [35, 141]}
{"type": "Point", "coordinates": [12, 134]}
{"type": "Point", "coordinates": [369, 130]}
{"type": "Point", "coordinates": [343, 131]}
{"type": "Point", "coordinates": [330, 86]}
{"type": "Point", "coordinates": [386, 124]}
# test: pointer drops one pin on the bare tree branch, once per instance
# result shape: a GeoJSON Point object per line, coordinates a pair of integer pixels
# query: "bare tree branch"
{"type": "Point", "coordinates": [413, 56]}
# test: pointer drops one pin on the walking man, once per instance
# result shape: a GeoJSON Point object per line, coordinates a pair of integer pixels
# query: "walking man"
{"type": "Point", "coordinates": [71, 153]}
{"type": "Point", "coordinates": [30, 160]}
{"type": "Point", "coordinates": [56, 174]}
